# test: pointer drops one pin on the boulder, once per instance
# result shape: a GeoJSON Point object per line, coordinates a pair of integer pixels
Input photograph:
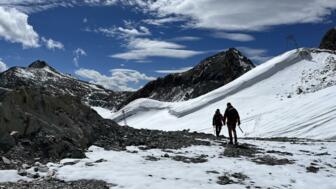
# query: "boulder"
{"type": "Point", "coordinates": [52, 126]}
{"type": "Point", "coordinates": [6, 140]}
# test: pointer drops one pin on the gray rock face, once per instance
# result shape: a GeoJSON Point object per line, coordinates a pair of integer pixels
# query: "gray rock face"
{"type": "Point", "coordinates": [329, 40]}
{"type": "Point", "coordinates": [209, 74]}
{"type": "Point", "coordinates": [40, 75]}
{"type": "Point", "coordinates": [53, 126]}
{"type": "Point", "coordinates": [57, 184]}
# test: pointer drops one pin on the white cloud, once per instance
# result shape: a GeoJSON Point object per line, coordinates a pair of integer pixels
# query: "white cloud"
{"type": "Point", "coordinates": [234, 36]}
{"type": "Point", "coordinates": [3, 66]}
{"type": "Point", "coordinates": [240, 15]}
{"type": "Point", "coordinates": [119, 80]}
{"type": "Point", "coordinates": [180, 70]}
{"type": "Point", "coordinates": [211, 14]}
{"type": "Point", "coordinates": [78, 53]}
{"type": "Point", "coordinates": [51, 44]}
{"type": "Point", "coordinates": [257, 55]}
{"type": "Point", "coordinates": [14, 27]}
{"type": "Point", "coordinates": [162, 21]}
{"type": "Point", "coordinates": [142, 48]}
{"type": "Point", "coordinates": [100, 2]}
{"type": "Point", "coordinates": [186, 38]}
{"type": "Point", "coordinates": [85, 20]}
{"type": "Point", "coordinates": [31, 6]}
{"type": "Point", "coordinates": [122, 32]}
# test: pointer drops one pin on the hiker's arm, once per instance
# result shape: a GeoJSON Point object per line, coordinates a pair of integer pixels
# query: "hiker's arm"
{"type": "Point", "coordinates": [224, 118]}
{"type": "Point", "coordinates": [238, 117]}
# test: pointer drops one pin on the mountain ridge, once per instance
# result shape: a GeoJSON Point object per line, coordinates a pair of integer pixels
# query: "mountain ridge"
{"type": "Point", "coordinates": [209, 74]}
{"type": "Point", "coordinates": [41, 75]}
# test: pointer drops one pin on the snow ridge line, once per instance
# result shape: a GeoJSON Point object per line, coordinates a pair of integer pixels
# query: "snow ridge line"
{"type": "Point", "coordinates": [247, 82]}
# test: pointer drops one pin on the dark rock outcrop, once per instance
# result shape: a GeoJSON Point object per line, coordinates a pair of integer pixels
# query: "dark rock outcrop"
{"type": "Point", "coordinates": [51, 126]}
{"type": "Point", "coordinates": [37, 126]}
{"type": "Point", "coordinates": [209, 74]}
{"type": "Point", "coordinates": [40, 75]}
{"type": "Point", "coordinates": [57, 184]}
{"type": "Point", "coordinates": [329, 40]}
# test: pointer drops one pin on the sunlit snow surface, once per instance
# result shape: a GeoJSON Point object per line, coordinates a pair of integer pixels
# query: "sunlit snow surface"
{"type": "Point", "coordinates": [132, 170]}
{"type": "Point", "coordinates": [268, 99]}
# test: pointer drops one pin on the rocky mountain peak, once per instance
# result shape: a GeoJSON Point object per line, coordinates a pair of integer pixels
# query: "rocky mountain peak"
{"type": "Point", "coordinates": [40, 75]}
{"type": "Point", "coordinates": [233, 50]}
{"type": "Point", "coordinates": [329, 40]}
{"type": "Point", "coordinates": [38, 64]}
{"type": "Point", "coordinates": [232, 57]}
{"type": "Point", "coordinates": [211, 73]}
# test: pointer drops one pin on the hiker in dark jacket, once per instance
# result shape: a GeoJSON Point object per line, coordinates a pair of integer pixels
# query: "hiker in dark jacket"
{"type": "Point", "coordinates": [217, 122]}
{"type": "Point", "coordinates": [231, 117]}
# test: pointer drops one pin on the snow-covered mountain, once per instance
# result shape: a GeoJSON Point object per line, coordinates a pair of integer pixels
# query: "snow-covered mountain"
{"type": "Point", "coordinates": [40, 75]}
{"type": "Point", "coordinates": [211, 73]}
{"type": "Point", "coordinates": [291, 95]}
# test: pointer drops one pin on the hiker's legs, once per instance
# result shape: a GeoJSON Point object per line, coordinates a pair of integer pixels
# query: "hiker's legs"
{"type": "Point", "coordinates": [230, 133]}
{"type": "Point", "coordinates": [235, 134]}
{"type": "Point", "coordinates": [217, 133]}
{"type": "Point", "coordinates": [218, 130]}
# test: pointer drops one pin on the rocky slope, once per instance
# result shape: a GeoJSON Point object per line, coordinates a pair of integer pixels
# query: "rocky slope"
{"type": "Point", "coordinates": [40, 75]}
{"type": "Point", "coordinates": [37, 126]}
{"type": "Point", "coordinates": [329, 40]}
{"type": "Point", "coordinates": [209, 74]}
{"type": "Point", "coordinates": [46, 126]}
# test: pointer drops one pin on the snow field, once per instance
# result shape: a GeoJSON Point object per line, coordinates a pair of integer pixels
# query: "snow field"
{"type": "Point", "coordinates": [132, 170]}
{"type": "Point", "coordinates": [266, 97]}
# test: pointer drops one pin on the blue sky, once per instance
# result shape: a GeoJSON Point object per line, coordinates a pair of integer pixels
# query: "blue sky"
{"type": "Point", "coordinates": [122, 44]}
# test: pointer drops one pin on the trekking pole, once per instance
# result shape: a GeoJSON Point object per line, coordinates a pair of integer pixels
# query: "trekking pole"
{"type": "Point", "coordinates": [124, 116]}
{"type": "Point", "coordinates": [240, 129]}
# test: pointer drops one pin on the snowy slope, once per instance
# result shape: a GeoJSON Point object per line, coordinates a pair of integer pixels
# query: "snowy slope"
{"type": "Point", "coordinates": [291, 95]}
{"type": "Point", "coordinates": [158, 169]}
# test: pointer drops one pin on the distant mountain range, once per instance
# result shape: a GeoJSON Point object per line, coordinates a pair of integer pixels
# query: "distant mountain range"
{"type": "Point", "coordinates": [209, 74]}
{"type": "Point", "coordinates": [42, 76]}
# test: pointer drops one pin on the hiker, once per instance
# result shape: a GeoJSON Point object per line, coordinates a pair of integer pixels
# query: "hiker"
{"type": "Point", "coordinates": [217, 122]}
{"type": "Point", "coordinates": [231, 117]}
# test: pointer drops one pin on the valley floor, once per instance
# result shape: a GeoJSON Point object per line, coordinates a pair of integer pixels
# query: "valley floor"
{"type": "Point", "coordinates": [261, 163]}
